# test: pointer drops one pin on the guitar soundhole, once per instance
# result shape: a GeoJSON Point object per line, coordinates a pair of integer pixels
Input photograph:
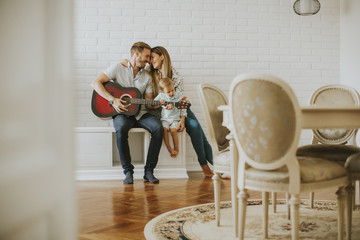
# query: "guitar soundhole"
{"type": "Point", "coordinates": [126, 98]}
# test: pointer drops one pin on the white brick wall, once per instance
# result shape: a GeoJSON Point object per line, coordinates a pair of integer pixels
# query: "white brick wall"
{"type": "Point", "coordinates": [209, 41]}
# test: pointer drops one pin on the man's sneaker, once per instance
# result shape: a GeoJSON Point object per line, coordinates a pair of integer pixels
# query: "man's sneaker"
{"type": "Point", "coordinates": [149, 176]}
{"type": "Point", "coordinates": [129, 179]}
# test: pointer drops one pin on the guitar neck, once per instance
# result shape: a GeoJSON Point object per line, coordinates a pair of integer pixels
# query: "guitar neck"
{"type": "Point", "coordinates": [179, 104]}
{"type": "Point", "coordinates": [145, 101]}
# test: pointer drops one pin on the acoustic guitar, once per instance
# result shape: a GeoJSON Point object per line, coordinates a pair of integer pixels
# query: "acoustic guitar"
{"type": "Point", "coordinates": [132, 96]}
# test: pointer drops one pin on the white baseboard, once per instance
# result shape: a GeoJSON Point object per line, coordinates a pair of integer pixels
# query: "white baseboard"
{"type": "Point", "coordinates": [195, 167]}
{"type": "Point", "coordinates": [117, 174]}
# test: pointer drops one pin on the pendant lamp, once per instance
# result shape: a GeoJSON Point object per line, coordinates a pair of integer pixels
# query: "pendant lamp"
{"type": "Point", "coordinates": [306, 7]}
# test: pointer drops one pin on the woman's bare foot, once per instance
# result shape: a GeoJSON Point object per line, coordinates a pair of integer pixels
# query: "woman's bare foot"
{"type": "Point", "coordinates": [207, 171]}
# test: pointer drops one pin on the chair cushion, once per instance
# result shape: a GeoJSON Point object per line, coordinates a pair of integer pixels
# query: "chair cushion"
{"type": "Point", "coordinates": [279, 175]}
{"type": "Point", "coordinates": [352, 164]}
{"type": "Point", "coordinates": [318, 169]}
{"type": "Point", "coordinates": [334, 153]}
{"type": "Point", "coordinates": [223, 159]}
{"type": "Point", "coordinates": [311, 170]}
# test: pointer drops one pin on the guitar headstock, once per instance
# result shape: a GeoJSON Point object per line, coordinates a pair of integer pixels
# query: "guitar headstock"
{"type": "Point", "coordinates": [182, 104]}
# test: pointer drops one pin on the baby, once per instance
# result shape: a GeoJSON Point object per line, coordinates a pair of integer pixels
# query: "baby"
{"type": "Point", "coordinates": [170, 115]}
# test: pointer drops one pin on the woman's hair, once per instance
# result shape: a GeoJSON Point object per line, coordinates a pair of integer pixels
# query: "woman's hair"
{"type": "Point", "coordinates": [165, 67]}
{"type": "Point", "coordinates": [164, 83]}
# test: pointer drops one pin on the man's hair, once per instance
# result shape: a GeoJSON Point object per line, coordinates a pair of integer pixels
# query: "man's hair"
{"type": "Point", "coordinates": [139, 46]}
{"type": "Point", "coordinates": [164, 83]}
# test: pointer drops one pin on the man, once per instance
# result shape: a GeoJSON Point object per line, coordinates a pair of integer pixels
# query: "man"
{"type": "Point", "coordinates": [133, 76]}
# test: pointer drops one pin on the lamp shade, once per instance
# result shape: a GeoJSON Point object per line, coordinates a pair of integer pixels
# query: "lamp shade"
{"type": "Point", "coordinates": [306, 7]}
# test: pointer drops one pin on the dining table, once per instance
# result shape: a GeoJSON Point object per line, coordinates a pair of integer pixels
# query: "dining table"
{"type": "Point", "coordinates": [313, 117]}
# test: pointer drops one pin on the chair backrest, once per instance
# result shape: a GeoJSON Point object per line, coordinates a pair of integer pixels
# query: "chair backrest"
{"type": "Point", "coordinates": [211, 98]}
{"type": "Point", "coordinates": [339, 96]}
{"type": "Point", "coordinates": [265, 117]}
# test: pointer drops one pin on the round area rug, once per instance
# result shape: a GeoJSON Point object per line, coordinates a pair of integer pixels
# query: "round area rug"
{"type": "Point", "coordinates": [198, 222]}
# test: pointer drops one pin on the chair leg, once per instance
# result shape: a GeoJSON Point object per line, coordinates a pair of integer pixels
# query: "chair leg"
{"type": "Point", "coordinates": [234, 184]}
{"type": "Point", "coordinates": [287, 196]}
{"type": "Point", "coordinates": [354, 195]}
{"type": "Point", "coordinates": [341, 195]}
{"type": "Point", "coordinates": [295, 204]}
{"type": "Point", "coordinates": [265, 203]}
{"type": "Point", "coordinates": [274, 201]}
{"type": "Point", "coordinates": [216, 180]}
{"type": "Point", "coordinates": [312, 200]}
{"type": "Point", "coordinates": [348, 213]}
{"type": "Point", "coordinates": [243, 196]}
{"type": "Point", "coordinates": [234, 201]}
{"type": "Point", "coordinates": [357, 193]}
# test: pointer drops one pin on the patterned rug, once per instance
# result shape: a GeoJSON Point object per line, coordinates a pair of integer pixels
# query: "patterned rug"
{"type": "Point", "coordinates": [198, 222]}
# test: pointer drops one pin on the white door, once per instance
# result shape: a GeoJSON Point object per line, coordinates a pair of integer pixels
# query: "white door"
{"type": "Point", "coordinates": [37, 190]}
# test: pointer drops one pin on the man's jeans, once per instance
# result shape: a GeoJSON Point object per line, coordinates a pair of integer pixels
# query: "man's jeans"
{"type": "Point", "coordinates": [123, 124]}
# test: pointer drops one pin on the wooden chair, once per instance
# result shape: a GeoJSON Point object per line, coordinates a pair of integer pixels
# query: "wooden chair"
{"type": "Point", "coordinates": [332, 144]}
{"type": "Point", "coordinates": [266, 124]}
{"type": "Point", "coordinates": [211, 98]}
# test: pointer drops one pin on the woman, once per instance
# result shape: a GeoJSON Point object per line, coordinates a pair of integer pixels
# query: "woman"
{"type": "Point", "coordinates": [161, 67]}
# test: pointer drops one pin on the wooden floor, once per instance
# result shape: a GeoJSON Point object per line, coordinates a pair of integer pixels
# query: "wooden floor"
{"type": "Point", "coordinates": [111, 210]}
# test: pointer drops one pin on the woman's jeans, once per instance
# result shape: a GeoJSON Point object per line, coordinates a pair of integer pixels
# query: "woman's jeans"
{"type": "Point", "coordinates": [123, 124]}
{"type": "Point", "coordinates": [200, 143]}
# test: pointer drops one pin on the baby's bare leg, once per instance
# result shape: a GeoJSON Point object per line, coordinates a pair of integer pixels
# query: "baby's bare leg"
{"type": "Point", "coordinates": [175, 138]}
{"type": "Point", "coordinates": [166, 141]}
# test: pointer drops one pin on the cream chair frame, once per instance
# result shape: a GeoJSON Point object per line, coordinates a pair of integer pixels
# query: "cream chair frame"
{"type": "Point", "coordinates": [220, 142]}
{"type": "Point", "coordinates": [292, 184]}
{"type": "Point", "coordinates": [348, 136]}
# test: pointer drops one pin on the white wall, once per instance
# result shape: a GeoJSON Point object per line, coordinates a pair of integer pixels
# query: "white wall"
{"type": "Point", "coordinates": [350, 43]}
{"type": "Point", "coordinates": [209, 41]}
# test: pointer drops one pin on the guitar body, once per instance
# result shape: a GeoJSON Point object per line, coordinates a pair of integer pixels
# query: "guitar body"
{"type": "Point", "coordinates": [101, 107]}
